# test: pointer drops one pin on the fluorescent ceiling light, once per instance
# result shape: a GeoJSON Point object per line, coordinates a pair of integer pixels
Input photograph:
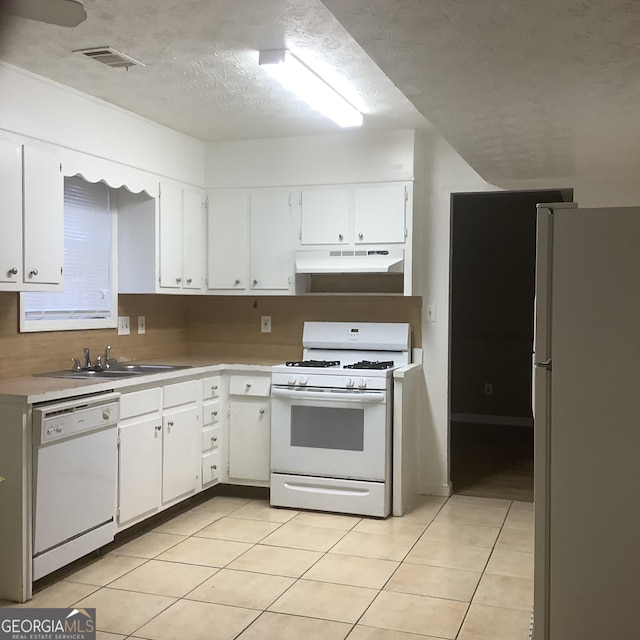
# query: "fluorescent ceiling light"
{"type": "Point", "coordinates": [64, 13]}
{"type": "Point", "coordinates": [304, 83]}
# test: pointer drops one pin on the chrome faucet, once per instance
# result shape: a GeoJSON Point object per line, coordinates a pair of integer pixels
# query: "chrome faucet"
{"type": "Point", "coordinates": [107, 356]}
{"type": "Point", "coordinates": [87, 358]}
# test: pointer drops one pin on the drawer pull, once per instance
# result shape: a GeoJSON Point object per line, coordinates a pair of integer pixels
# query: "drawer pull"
{"type": "Point", "coordinates": [261, 412]}
{"type": "Point", "coordinates": [170, 423]}
{"type": "Point", "coordinates": [214, 467]}
{"type": "Point", "coordinates": [214, 439]}
{"type": "Point", "coordinates": [158, 428]}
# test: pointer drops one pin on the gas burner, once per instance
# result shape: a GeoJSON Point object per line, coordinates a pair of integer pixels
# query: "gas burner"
{"type": "Point", "coordinates": [320, 364]}
{"type": "Point", "coordinates": [368, 364]}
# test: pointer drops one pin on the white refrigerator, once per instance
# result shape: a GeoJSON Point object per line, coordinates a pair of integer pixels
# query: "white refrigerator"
{"type": "Point", "coordinates": [587, 424]}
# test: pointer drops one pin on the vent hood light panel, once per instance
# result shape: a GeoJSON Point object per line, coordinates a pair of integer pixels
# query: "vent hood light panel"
{"type": "Point", "coordinates": [354, 261]}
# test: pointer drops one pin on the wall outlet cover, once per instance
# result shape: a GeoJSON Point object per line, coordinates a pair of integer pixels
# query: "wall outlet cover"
{"type": "Point", "coordinates": [142, 326]}
{"type": "Point", "coordinates": [265, 324]}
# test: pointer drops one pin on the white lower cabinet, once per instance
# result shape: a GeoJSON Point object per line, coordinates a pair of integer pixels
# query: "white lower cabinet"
{"type": "Point", "coordinates": [140, 468]}
{"type": "Point", "coordinates": [213, 427]}
{"type": "Point", "coordinates": [249, 429]}
{"type": "Point", "coordinates": [158, 449]}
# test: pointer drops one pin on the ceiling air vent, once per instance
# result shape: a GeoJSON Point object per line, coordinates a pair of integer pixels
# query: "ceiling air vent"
{"type": "Point", "coordinates": [110, 56]}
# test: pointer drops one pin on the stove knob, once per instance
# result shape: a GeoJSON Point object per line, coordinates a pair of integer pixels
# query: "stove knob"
{"type": "Point", "coordinates": [362, 383]}
{"type": "Point", "coordinates": [291, 381]}
{"type": "Point", "coordinates": [350, 383]}
{"type": "Point", "coordinates": [303, 381]}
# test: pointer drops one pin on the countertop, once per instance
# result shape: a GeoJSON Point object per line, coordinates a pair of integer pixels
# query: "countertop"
{"type": "Point", "coordinates": [33, 389]}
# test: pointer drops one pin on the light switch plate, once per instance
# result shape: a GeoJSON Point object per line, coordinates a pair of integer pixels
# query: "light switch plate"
{"type": "Point", "coordinates": [124, 329]}
{"type": "Point", "coordinates": [431, 312]}
{"type": "Point", "coordinates": [141, 324]}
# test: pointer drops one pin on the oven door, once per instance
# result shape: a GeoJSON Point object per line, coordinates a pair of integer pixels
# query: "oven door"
{"type": "Point", "coordinates": [330, 432]}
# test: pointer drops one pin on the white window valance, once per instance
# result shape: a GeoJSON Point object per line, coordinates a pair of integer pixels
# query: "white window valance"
{"type": "Point", "coordinates": [115, 175]}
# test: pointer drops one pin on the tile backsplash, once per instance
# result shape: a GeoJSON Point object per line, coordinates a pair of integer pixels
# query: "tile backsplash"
{"type": "Point", "coordinates": [219, 326]}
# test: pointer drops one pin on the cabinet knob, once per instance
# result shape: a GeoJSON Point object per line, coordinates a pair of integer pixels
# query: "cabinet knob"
{"type": "Point", "coordinates": [33, 272]}
{"type": "Point", "coordinates": [214, 387]}
{"type": "Point", "coordinates": [214, 439]}
{"type": "Point", "coordinates": [170, 423]}
{"type": "Point", "coordinates": [340, 237]}
{"type": "Point", "coordinates": [214, 467]}
{"type": "Point", "coordinates": [236, 282]}
{"type": "Point", "coordinates": [214, 413]}
{"type": "Point", "coordinates": [361, 236]}
{"type": "Point", "coordinates": [261, 412]}
{"type": "Point", "coordinates": [188, 280]}
{"type": "Point", "coordinates": [13, 271]}
{"type": "Point", "coordinates": [158, 428]}
{"type": "Point", "coordinates": [178, 280]}
{"type": "Point", "coordinates": [248, 385]}
{"type": "Point", "coordinates": [255, 282]}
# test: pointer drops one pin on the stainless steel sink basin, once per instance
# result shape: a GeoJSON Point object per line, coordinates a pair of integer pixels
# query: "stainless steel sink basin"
{"type": "Point", "coordinates": [119, 370]}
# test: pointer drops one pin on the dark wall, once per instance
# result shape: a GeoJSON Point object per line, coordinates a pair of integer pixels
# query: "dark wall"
{"type": "Point", "coordinates": [493, 238]}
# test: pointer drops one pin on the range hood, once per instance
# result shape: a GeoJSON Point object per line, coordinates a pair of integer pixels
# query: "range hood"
{"type": "Point", "coordinates": [350, 261]}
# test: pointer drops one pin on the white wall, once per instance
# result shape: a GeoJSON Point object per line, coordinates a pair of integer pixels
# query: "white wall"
{"type": "Point", "coordinates": [352, 156]}
{"type": "Point", "coordinates": [445, 172]}
{"type": "Point", "coordinates": [36, 108]}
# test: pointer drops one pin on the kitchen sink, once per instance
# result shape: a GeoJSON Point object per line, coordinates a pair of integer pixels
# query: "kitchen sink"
{"type": "Point", "coordinates": [119, 370]}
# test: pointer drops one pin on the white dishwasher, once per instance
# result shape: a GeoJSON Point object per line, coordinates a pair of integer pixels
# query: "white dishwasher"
{"type": "Point", "coordinates": [75, 469]}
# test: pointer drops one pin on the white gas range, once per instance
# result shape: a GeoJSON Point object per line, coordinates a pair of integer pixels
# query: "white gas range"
{"type": "Point", "coordinates": [331, 418]}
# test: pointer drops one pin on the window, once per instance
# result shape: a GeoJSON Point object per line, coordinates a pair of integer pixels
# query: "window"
{"type": "Point", "coordinates": [89, 298]}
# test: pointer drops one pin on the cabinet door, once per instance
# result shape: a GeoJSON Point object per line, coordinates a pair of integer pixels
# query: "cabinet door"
{"type": "Point", "coordinates": [379, 214]}
{"type": "Point", "coordinates": [10, 213]}
{"type": "Point", "coordinates": [249, 440]}
{"type": "Point", "coordinates": [180, 453]}
{"type": "Point", "coordinates": [192, 241]}
{"type": "Point", "coordinates": [43, 208]}
{"type": "Point", "coordinates": [139, 475]}
{"type": "Point", "coordinates": [170, 236]}
{"type": "Point", "coordinates": [228, 255]}
{"type": "Point", "coordinates": [271, 246]}
{"type": "Point", "coordinates": [325, 216]}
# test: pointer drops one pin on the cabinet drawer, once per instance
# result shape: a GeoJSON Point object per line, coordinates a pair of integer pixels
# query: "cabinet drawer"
{"type": "Point", "coordinates": [210, 438]}
{"type": "Point", "coordinates": [138, 403]}
{"type": "Point", "coordinates": [210, 413]}
{"type": "Point", "coordinates": [211, 387]}
{"type": "Point", "coordinates": [250, 385]}
{"type": "Point", "coordinates": [180, 393]}
{"type": "Point", "coordinates": [210, 467]}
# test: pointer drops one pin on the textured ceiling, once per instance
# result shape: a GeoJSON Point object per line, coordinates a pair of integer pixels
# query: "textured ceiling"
{"type": "Point", "coordinates": [521, 89]}
{"type": "Point", "coordinates": [201, 75]}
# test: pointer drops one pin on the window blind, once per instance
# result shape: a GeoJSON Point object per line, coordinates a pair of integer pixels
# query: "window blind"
{"type": "Point", "coordinates": [87, 258]}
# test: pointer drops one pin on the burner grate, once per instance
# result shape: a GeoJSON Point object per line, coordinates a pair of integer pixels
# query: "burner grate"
{"type": "Point", "coordinates": [314, 363]}
{"type": "Point", "coordinates": [368, 364]}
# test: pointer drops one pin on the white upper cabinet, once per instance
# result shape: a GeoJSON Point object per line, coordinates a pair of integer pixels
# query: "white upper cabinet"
{"type": "Point", "coordinates": [271, 247]}
{"type": "Point", "coordinates": [354, 215]}
{"type": "Point", "coordinates": [31, 211]}
{"type": "Point", "coordinates": [228, 248]}
{"type": "Point", "coordinates": [379, 214]}
{"type": "Point", "coordinates": [250, 246]}
{"type": "Point", "coordinates": [10, 215]}
{"type": "Point", "coordinates": [325, 216]}
{"type": "Point", "coordinates": [192, 239]}
{"type": "Point", "coordinates": [181, 235]}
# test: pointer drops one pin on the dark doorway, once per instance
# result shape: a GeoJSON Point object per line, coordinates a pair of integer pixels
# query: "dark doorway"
{"type": "Point", "coordinates": [493, 240]}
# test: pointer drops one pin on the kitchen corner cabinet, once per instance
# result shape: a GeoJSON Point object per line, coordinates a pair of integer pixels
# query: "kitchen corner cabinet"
{"type": "Point", "coordinates": [31, 214]}
{"type": "Point", "coordinates": [249, 429]}
{"type": "Point", "coordinates": [250, 244]}
{"type": "Point", "coordinates": [181, 227]}
{"type": "Point", "coordinates": [354, 215]}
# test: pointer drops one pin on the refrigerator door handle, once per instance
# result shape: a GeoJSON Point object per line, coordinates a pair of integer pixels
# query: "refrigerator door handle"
{"type": "Point", "coordinates": [544, 365]}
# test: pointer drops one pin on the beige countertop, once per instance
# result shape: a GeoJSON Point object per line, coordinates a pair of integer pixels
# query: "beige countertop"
{"type": "Point", "coordinates": [37, 388]}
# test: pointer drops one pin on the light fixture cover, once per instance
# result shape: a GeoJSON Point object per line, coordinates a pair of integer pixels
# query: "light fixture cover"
{"type": "Point", "coordinates": [64, 13]}
{"type": "Point", "coordinates": [309, 87]}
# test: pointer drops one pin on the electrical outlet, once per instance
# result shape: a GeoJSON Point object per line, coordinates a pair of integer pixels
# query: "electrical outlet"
{"type": "Point", "coordinates": [124, 328]}
{"type": "Point", "coordinates": [265, 324]}
{"type": "Point", "coordinates": [488, 389]}
{"type": "Point", "coordinates": [431, 312]}
{"type": "Point", "coordinates": [141, 324]}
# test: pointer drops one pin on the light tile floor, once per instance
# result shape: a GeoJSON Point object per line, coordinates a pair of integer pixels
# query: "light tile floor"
{"type": "Point", "coordinates": [456, 569]}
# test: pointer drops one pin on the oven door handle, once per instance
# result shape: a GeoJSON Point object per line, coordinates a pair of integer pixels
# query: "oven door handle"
{"type": "Point", "coordinates": [330, 396]}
